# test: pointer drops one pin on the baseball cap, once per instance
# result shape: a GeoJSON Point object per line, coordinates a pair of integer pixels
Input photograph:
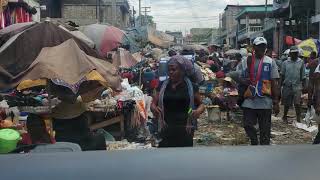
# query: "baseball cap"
{"type": "Point", "coordinates": [294, 49]}
{"type": "Point", "coordinates": [260, 40]}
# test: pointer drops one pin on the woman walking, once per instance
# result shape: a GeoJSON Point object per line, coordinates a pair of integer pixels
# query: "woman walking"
{"type": "Point", "coordinates": [178, 104]}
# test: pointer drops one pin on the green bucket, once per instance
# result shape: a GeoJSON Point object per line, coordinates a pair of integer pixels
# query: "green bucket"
{"type": "Point", "coordinates": [8, 140]}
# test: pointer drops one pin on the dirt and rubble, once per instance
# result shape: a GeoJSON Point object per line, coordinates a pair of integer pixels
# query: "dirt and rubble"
{"type": "Point", "coordinates": [224, 132]}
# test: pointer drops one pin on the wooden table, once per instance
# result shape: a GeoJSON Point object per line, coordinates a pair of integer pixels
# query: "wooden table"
{"type": "Point", "coordinates": [109, 122]}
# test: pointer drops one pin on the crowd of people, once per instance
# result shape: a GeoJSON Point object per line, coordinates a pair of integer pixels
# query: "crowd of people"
{"type": "Point", "coordinates": [263, 82]}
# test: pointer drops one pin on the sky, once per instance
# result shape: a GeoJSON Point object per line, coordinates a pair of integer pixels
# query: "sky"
{"type": "Point", "coordinates": [182, 15]}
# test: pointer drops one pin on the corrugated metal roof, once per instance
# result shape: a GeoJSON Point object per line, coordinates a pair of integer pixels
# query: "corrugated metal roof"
{"type": "Point", "coordinates": [255, 9]}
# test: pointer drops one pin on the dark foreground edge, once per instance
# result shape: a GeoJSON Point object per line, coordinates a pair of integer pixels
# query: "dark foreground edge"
{"type": "Point", "coordinates": [232, 163]}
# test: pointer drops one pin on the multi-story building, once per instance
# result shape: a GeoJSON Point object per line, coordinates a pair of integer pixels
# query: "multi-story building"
{"type": "Point", "coordinates": [202, 35]}
{"type": "Point", "coordinates": [299, 21]}
{"type": "Point", "coordinates": [83, 12]}
{"type": "Point", "coordinates": [316, 18]}
{"type": "Point", "coordinates": [178, 37]}
{"type": "Point", "coordinates": [228, 25]}
{"type": "Point", "coordinates": [251, 24]}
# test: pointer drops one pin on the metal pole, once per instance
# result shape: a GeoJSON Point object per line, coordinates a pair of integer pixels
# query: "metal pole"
{"type": "Point", "coordinates": [99, 3]}
{"type": "Point", "coordinates": [97, 10]}
{"type": "Point", "coordinates": [145, 16]}
{"type": "Point", "coordinates": [134, 18]}
{"type": "Point", "coordinates": [140, 13]}
{"type": "Point", "coordinates": [308, 14]}
{"type": "Point", "coordinates": [114, 13]}
{"type": "Point", "coordinates": [266, 13]}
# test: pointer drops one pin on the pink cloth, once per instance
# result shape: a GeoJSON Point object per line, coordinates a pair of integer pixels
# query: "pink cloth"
{"type": "Point", "coordinates": [210, 62]}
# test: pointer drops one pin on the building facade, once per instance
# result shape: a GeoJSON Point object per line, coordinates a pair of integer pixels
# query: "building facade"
{"type": "Point", "coordinates": [251, 24]}
{"type": "Point", "coordinates": [299, 21]}
{"type": "Point", "coordinates": [178, 37]}
{"type": "Point", "coordinates": [228, 26]}
{"type": "Point", "coordinates": [315, 20]}
{"type": "Point", "coordinates": [84, 12]}
{"type": "Point", "coordinates": [201, 35]}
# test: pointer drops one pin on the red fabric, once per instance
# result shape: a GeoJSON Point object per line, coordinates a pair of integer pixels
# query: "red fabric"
{"type": "Point", "coordinates": [210, 62]}
{"type": "Point", "coordinates": [289, 41]}
{"type": "Point", "coordinates": [220, 74]}
{"type": "Point", "coordinates": [112, 39]}
{"type": "Point", "coordinates": [256, 79]}
{"type": "Point", "coordinates": [154, 83]}
{"type": "Point", "coordinates": [129, 76]}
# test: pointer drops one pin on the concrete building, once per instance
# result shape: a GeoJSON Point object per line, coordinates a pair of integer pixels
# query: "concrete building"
{"type": "Point", "coordinates": [83, 12]}
{"type": "Point", "coordinates": [300, 21]}
{"type": "Point", "coordinates": [178, 37]}
{"type": "Point", "coordinates": [315, 20]}
{"type": "Point", "coordinates": [251, 24]}
{"type": "Point", "coordinates": [228, 25]}
{"type": "Point", "coordinates": [202, 35]}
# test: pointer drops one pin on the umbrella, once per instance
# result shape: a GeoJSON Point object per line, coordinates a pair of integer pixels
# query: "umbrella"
{"type": "Point", "coordinates": [123, 59]}
{"type": "Point", "coordinates": [307, 47]}
{"type": "Point", "coordinates": [292, 41]}
{"type": "Point", "coordinates": [232, 52]}
{"type": "Point", "coordinates": [105, 37]}
{"type": "Point", "coordinates": [196, 47]}
{"type": "Point", "coordinates": [19, 52]}
{"type": "Point", "coordinates": [80, 36]}
{"type": "Point", "coordinates": [9, 31]}
{"type": "Point", "coordinates": [79, 69]}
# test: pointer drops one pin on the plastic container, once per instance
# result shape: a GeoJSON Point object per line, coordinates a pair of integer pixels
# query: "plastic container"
{"type": "Point", "coordinates": [8, 140]}
{"type": "Point", "coordinates": [214, 114]}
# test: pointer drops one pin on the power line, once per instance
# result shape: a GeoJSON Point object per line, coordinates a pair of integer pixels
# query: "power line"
{"type": "Point", "coordinates": [185, 21]}
{"type": "Point", "coordinates": [194, 17]}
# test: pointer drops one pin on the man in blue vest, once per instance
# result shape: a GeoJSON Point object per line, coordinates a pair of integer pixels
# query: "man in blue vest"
{"type": "Point", "coordinates": [262, 94]}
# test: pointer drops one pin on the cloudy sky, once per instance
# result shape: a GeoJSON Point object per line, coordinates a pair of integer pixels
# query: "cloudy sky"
{"type": "Point", "coordinates": [182, 15]}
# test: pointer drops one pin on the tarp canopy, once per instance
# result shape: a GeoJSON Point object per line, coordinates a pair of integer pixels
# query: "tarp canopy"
{"type": "Point", "coordinates": [67, 65]}
{"type": "Point", "coordinates": [9, 31]}
{"type": "Point", "coordinates": [232, 52]}
{"type": "Point", "coordinates": [107, 38]}
{"type": "Point", "coordinates": [159, 38]}
{"type": "Point", "coordinates": [123, 59]}
{"type": "Point", "coordinates": [308, 46]}
{"type": "Point", "coordinates": [80, 36]}
{"type": "Point", "coordinates": [290, 41]}
{"type": "Point", "coordinates": [19, 52]}
{"type": "Point", "coordinates": [195, 47]}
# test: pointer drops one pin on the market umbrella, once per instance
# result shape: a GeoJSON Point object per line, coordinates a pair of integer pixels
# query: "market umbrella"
{"type": "Point", "coordinates": [232, 52]}
{"type": "Point", "coordinates": [9, 31]}
{"type": "Point", "coordinates": [79, 68]}
{"type": "Point", "coordinates": [123, 59]}
{"type": "Point", "coordinates": [196, 47]}
{"type": "Point", "coordinates": [307, 46]}
{"type": "Point", "coordinates": [105, 37]}
{"type": "Point", "coordinates": [19, 52]}
{"type": "Point", "coordinates": [80, 36]}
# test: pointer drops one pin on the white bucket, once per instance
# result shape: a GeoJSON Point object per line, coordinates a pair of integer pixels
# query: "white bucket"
{"type": "Point", "coordinates": [214, 113]}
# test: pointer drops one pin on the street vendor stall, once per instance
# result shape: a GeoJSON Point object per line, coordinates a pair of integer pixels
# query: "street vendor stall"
{"type": "Point", "coordinates": [81, 75]}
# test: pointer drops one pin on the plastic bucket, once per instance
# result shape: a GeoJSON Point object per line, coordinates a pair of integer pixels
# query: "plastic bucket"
{"type": "Point", "coordinates": [213, 113]}
{"type": "Point", "coordinates": [8, 140]}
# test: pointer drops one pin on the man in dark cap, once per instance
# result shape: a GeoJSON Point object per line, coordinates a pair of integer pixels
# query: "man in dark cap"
{"type": "Point", "coordinates": [293, 81]}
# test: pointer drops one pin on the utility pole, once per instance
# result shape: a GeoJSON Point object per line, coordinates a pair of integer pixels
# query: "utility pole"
{"type": "Point", "coordinates": [266, 13]}
{"type": "Point", "coordinates": [146, 10]}
{"type": "Point", "coordinates": [114, 12]}
{"type": "Point", "coordinates": [134, 18]}
{"type": "Point", "coordinates": [98, 10]}
{"type": "Point", "coordinates": [140, 13]}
